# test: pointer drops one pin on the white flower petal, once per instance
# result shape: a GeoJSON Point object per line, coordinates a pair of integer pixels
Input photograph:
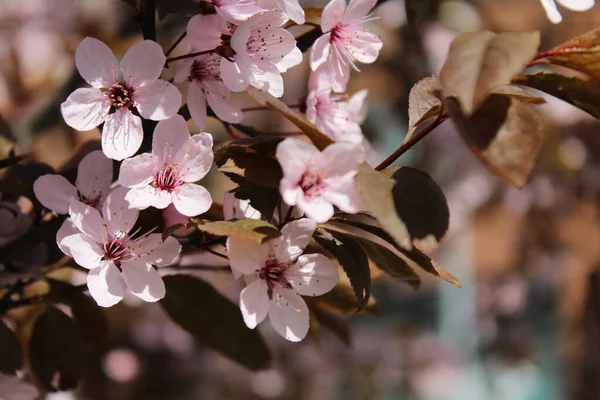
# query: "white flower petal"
{"type": "Point", "coordinates": [68, 228]}
{"type": "Point", "coordinates": [245, 255]}
{"type": "Point", "coordinates": [254, 303]}
{"type": "Point", "coordinates": [196, 157]}
{"type": "Point", "coordinates": [197, 104]}
{"type": "Point", "coordinates": [96, 63]}
{"type": "Point", "coordinates": [169, 138]}
{"type": "Point", "coordinates": [295, 156]}
{"type": "Point", "coordinates": [219, 99]}
{"type": "Point", "coordinates": [142, 197]}
{"type": "Point", "coordinates": [357, 10]}
{"type": "Point", "coordinates": [295, 235]}
{"type": "Point", "coordinates": [106, 285]}
{"type": "Point", "coordinates": [54, 192]}
{"type": "Point", "coordinates": [233, 77]}
{"type": "Point", "coordinates": [88, 220]}
{"type": "Point", "coordinates": [332, 14]}
{"type": "Point", "coordinates": [289, 314]}
{"type": "Point", "coordinates": [137, 171]}
{"type": "Point", "coordinates": [340, 159]}
{"type": "Point", "coordinates": [191, 199]}
{"type": "Point", "coordinates": [320, 51]}
{"type": "Point", "coordinates": [293, 9]}
{"type": "Point", "coordinates": [292, 59]}
{"type": "Point", "coordinates": [143, 280]}
{"type": "Point", "coordinates": [313, 275]}
{"type": "Point", "coordinates": [143, 63]}
{"type": "Point", "coordinates": [94, 175]}
{"type": "Point", "coordinates": [84, 250]}
{"type": "Point", "coordinates": [122, 135]}
{"type": "Point", "coordinates": [118, 217]}
{"type": "Point", "coordinates": [157, 100]}
{"type": "Point", "coordinates": [316, 208]}
{"type": "Point", "coordinates": [155, 251]}
{"type": "Point", "coordinates": [577, 5]}
{"type": "Point", "coordinates": [551, 11]}
{"type": "Point", "coordinates": [85, 109]}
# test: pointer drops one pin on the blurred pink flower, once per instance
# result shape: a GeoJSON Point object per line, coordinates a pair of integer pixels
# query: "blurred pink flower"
{"type": "Point", "coordinates": [134, 82]}
{"type": "Point", "coordinates": [277, 275]}
{"type": "Point", "coordinates": [263, 50]}
{"type": "Point", "coordinates": [116, 259]}
{"type": "Point", "coordinates": [315, 181]}
{"type": "Point", "coordinates": [573, 5]}
{"type": "Point", "coordinates": [345, 40]}
{"type": "Point", "coordinates": [165, 176]}
{"type": "Point", "coordinates": [13, 223]}
{"type": "Point", "coordinates": [205, 85]}
{"type": "Point", "coordinates": [234, 11]}
{"type": "Point", "coordinates": [338, 119]}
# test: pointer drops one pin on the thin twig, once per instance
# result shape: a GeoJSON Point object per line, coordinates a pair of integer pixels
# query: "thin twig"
{"type": "Point", "coordinates": [414, 140]}
{"type": "Point", "coordinates": [190, 55]}
{"type": "Point", "coordinates": [262, 108]}
{"type": "Point", "coordinates": [174, 45]}
{"type": "Point", "coordinates": [219, 268]}
{"type": "Point", "coordinates": [216, 253]}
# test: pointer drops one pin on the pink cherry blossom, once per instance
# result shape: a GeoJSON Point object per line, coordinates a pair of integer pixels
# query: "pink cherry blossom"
{"type": "Point", "coordinates": [315, 181]}
{"type": "Point", "coordinates": [234, 11]}
{"type": "Point", "coordinates": [278, 275]}
{"type": "Point", "coordinates": [165, 176]}
{"type": "Point", "coordinates": [116, 88]}
{"type": "Point", "coordinates": [234, 208]}
{"type": "Point", "coordinates": [336, 117]}
{"type": "Point", "coordinates": [291, 8]}
{"type": "Point", "coordinates": [205, 86]}
{"type": "Point", "coordinates": [574, 5]}
{"type": "Point", "coordinates": [345, 40]}
{"type": "Point", "coordinates": [208, 32]}
{"type": "Point", "coordinates": [117, 259]}
{"type": "Point", "coordinates": [170, 217]}
{"type": "Point", "coordinates": [263, 50]}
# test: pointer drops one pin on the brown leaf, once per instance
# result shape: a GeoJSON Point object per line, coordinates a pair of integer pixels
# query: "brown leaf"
{"type": "Point", "coordinates": [261, 97]}
{"type": "Point", "coordinates": [341, 300]}
{"type": "Point", "coordinates": [582, 94]}
{"type": "Point", "coordinates": [251, 229]}
{"type": "Point", "coordinates": [313, 14]}
{"type": "Point", "coordinates": [505, 134]}
{"type": "Point", "coordinates": [478, 62]}
{"type": "Point", "coordinates": [422, 103]}
{"type": "Point", "coordinates": [580, 54]}
{"type": "Point", "coordinates": [335, 323]}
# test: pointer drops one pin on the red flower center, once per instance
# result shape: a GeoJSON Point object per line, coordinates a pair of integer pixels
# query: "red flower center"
{"type": "Point", "coordinates": [311, 183]}
{"type": "Point", "coordinates": [273, 273]}
{"type": "Point", "coordinates": [167, 178]}
{"type": "Point", "coordinates": [120, 96]}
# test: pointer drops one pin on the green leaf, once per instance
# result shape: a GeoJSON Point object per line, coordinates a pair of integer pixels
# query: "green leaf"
{"type": "Point", "coordinates": [580, 54]}
{"type": "Point", "coordinates": [478, 62]}
{"type": "Point", "coordinates": [251, 229]}
{"type": "Point", "coordinates": [353, 260]}
{"type": "Point", "coordinates": [580, 93]}
{"type": "Point", "coordinates": [57, 351]}
{"type": "Point", "coordinates": [319, 139]}
{"type": "Point", "coordinates": [505, 134]}
{"type": "Point", "coordinates": [213, 320]}
{"type": "Point", "coordinates": [10, 348]}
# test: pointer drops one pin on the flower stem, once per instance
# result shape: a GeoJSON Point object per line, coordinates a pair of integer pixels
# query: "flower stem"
{"type": "Point", "coordinates": [412, 141]}
{"type": "Point", "coordinates": [149, 20]}
{"type": "Point", "coordinates": [190, 55]}
{"type": "Point", "coordinates": [176, 43]}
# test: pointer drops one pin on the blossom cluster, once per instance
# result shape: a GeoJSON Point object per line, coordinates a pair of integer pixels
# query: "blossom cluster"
{"type": "Point", "coordinates": [233, 44]}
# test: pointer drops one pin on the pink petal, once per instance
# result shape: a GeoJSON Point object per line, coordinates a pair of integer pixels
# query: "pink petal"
{"type": "Point", "coordinates": [316, 208]}
{"type": "Point", "coordinates": [292, 59]}
{"type": "Point", "coordinates": [196, 157]}
{"type": "Point", "coordinates": [219, 99]}
{"type": "Point", "coordinates": [106, 285]}
{"type": "Point", "coordinates": [239, 11]}
{"type": "Point", "coordinates": [284, 44]}
{"type": "Point", "coordinates": [357, 106]}
{"type": "Point", "coordinates": [295, 235]}
{"type": "Point", "coordinates": [153, 250]}
{"type": "Point", "coordinates": [313, 275]}
{"type": "Point", "coordinates": [365, 46]}
{"type": "Point", "coordinates": [289, 315]}
{"type": "Point", "coordinates": [122, 135]}
{"type": "Point", "coordinates": [143, 280]}
{"type": "Point", "coordinates": [142, 197]}
{"type": "Point", "coordinates": [320, 51]}
{"type": "Point", "coordinates": [96, 63]}
{"type": "Point", "coordinates": [183, 71]}
{"type": "Point", "coordinates": [94, 175]}
{"type": "Point", "coordinates": [295, 157]}
{"type": "Point", "coordinates": [268, 78]}
{"type": "Point", "coordinates": [293, 9]}
{"type": "Point", "coordinates": [54, 192]}
{"type": "Point", "coordinates": [332, 14]}
{"type": "Point", "coordinates": [68, 228]}
{"type": "Point", "coordinates": [340, 159]}
{"type": "Point", "coordinates": [137, 171]}
{"type": "Point", "coordinates": [197, 104]}
{"type": "Point", "coordinates": [241, 35]}
{"type": "Point", "coordinates": [157, 100]}
{"type": "Point", "coordinates": [245, 255]}
{"type": "Point", "coordinates": [254, 303]}
{"type": "Point", "coordinates": [191, 199]}
{"type": "Point", "coordinates": [118, 217]}
{"type": "Point", "coordinates": [344, 195]}
{"type": "Point", "coordinates": [84, 250]}
{"type": "Point", "coordinates": [142, 64]}
{"type": "Point", "coordinates": [551, 11]}
{"type": "Point", "coordinates": [339, 70]}
{"type": "Point", "coordinates": [169, 138]}
{"type": "Point", "coordinates": [232, 76]}
{"type": "Point", "coordinates": [357, 10]}
{"type": "Point", "coordinates": [85, 109]}
{"type": "Point", "coordinates": [205, 31]}
{"type": "Point", "coordinates": [577, 5]}
{"type": "Point", "coordinates": [290, 191]}
{"type": "Point", "coordinates": [238, 209]}
{"type": "Point", "coordinates": [88, 220]}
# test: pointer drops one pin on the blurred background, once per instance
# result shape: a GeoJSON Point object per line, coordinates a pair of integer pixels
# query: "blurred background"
{"type": "Point", "coordinates": [526, 324]}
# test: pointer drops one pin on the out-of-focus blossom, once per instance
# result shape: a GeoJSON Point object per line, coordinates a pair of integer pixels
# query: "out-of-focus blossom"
{"type": "Point", "coordinates": [13, 388]}
{"type": "Point", "coordinates": [277, 275]}
{"type": "Point", "coordinates": [13, 223]}
{"type": "Point", "coordinates": [205, 85]}
{"type": "Point", "coordinates": [315, 181]}
{"type": "Point", "coordinates": [94, 177]}
{"type": "Point", "coordinates": [262, 51]}
{"type": "Point", "coordinates": [167, 174]}
{"type": "Point", "coordinates": [573, 5]}
{"type": "Point", "coordinates": [345, 41]}
{"type": "Point", "coordinates": [116, 88]}
{"type": "Point", "coordinates": [117, 260]}
{"type": "Point", "coordinates": [332, 114]}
